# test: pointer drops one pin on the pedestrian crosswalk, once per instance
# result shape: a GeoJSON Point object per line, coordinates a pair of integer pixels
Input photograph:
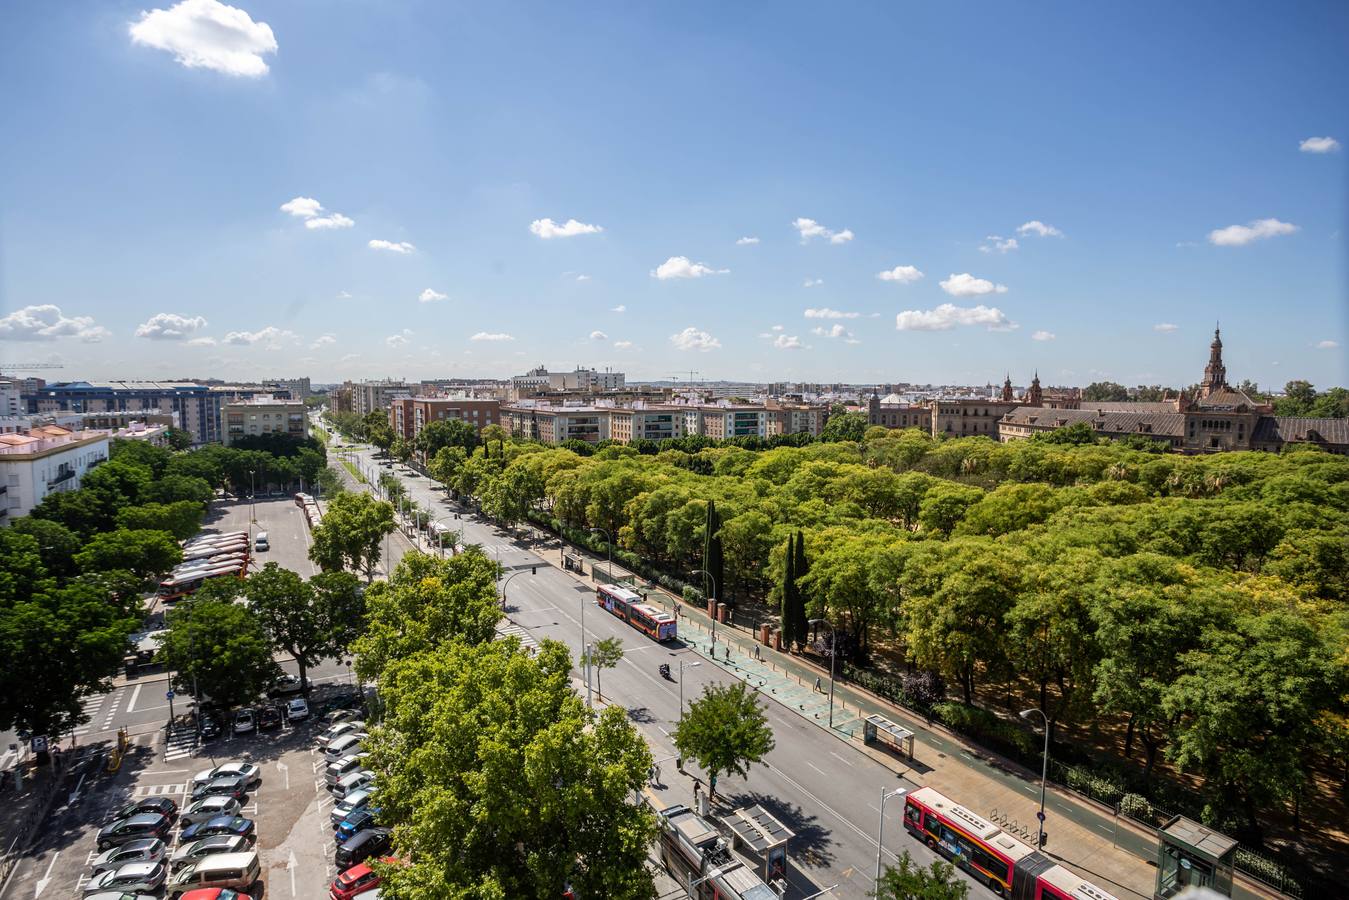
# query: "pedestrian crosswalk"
{"type": "Point", "coordinates": [181, 742]}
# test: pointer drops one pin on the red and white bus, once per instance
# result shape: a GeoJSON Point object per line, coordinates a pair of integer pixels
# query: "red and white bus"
{"type": "Point", "coordinates": [183, 583]}
{"type": "Point", "coordinates": [655, 623]}
{"type": "Point", "coordinates": [1008, 866]}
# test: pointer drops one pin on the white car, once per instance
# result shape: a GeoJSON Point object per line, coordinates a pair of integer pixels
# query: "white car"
{"type": "Point", "coordinates": [208, 808]}
{"type": "Point", "coordinates": [341, 728]}
{"type": "Point", "coordinates": [354, 801]}
{"type": "Point", "coordinates": [247, 771]}
{"type": "Point", "coordinates": [143, 850]}
{"type": "Point", "coordinates": [297, 710]}
{"type": "Point", "coordinates": [137, 876]}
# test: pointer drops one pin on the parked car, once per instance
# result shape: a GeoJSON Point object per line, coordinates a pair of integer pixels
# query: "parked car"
{"type": "Point", "coordinates": [344, 746]}
{"type": "Point", "coordinates": [120, 895]}
{"type": "Point", "coordinates": [361, 779]}
{"type": "Point", "coordinates": [339, 730]}
{"type": "Point", "coordinates": [234, 825]}
{"type": "Point", "coordinates": [209, 808]}
{"type": "Point", "coordinates": [133, 828]}
{"type": "Point", "coordinates": [285, 686]}
{"type": "Point", "coordinates": [362, 845]}
{"type": "Point", "coordinates": [210, 894]}
{"type": "Point", "coordinates": [357, 821]}
{"type": "Point", "coordinates": [137, 876]}
{"type": "Point", "coordinates": [269, 717]}
{"type": "Point", "coordinates": [336, 771]}
{"type": "Point", "coordinates": [357, 799]}
{"type": "Point", "coordinates": [341, 714]}
{"type": "Point", "coordinates": [162, 805]}
{"type": "Point", "coordinates": [225, 786]}
{"type": "Point", "coordinates": [142, 850]}
{"type": "Point", "coordinates": [297, 710]}
{"type": "Point", "coordinates": [245, 722]}
{"type": "Point", "coordinates": [195, 850]}
{"type": "Point", "coordinates": [353, 881]}
{"type": "Point", "coordinates": [208, 726]}
{"type": "Point", "coordinates": [251, 774]}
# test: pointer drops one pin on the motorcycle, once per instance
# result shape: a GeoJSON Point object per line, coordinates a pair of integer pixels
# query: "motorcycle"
{"type": "Point", "coordinates": [665, 672]}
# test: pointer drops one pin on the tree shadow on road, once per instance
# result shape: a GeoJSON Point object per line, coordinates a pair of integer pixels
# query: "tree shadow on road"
{"type": "Point", "coordinates": [641, 715]}
{"type": "Point", "coordinates": [813, 844]}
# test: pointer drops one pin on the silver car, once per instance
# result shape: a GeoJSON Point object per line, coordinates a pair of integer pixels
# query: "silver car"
{"type": "Point", "coordinates": [217, 843]}
{"type": "Point", "coordinates": [354, 801]}
{"type": "Point", "coordinates": [143, 850]}
{"type": "Point", "coordinates": [247, 771]}
{"type": "Point", "coordinates": [208, 808]}
{"type": "Point", "coordinates": [138, 876]}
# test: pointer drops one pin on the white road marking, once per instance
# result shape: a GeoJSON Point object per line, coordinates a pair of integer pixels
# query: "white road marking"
{"type": "Point", "coordinates": [135, 695]}
{"type": "Point", "coordinates": [840, 759]}
{"type": "Point", "coordinates": [817, 768]}
{"type": "Point", "coordinates": [46, 879]}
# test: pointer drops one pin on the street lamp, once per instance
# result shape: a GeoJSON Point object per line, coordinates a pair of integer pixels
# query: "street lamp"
{"type": "Point", "coordinates": [1044, 772]}
{"type": "Point", "coordinates": [508, 581]}
{"type": "Point", "coordinates": [833, 653]}
{"type": "Point", "coordinates": [714, 599]}
{"type": "Point", "coordinates": [682, 666]}
{"type": "Point", "coordinates": [252, 496]}
{"type": "Point", "coordinates": [880, 830]}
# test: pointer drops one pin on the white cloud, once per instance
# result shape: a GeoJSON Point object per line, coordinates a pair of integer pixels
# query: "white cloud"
{"type": "Point", "coordinates": [431, 296]}
{"type": "Point", "coordinates": [598, 335]}
{"type": "Point", "coordinates": [1326, 345]}
{"type": "Point", "coordinates": [491, 336]}
{"type": "Point", "coordinates": [999, 244]}
{"type": "Point", "coordinates": [343, 295]}
{"type": "Point", "coordinates": [827, 313]}
{"type": "Point", "coordinates": [788, 342]}
{"type": "Point", "coordinates": [206, 34]}
{"type": "Point", "coordinates": [622, 345]}
{"type": "Point", "coordinates": [833, 331]}
{"type": "Point", "coordinates": [323, 340]}
{"type": "Point", "coordinates": [302, 207]}
{"type": "Point", "coordinates": [966, 285]}
{"type": "Point", "coordinates": [779, 328]}
{"type": "Point", "coordinates": [620, 308]}
{"type": "Point", "coordinates": [812, 282]}
{"type": "Point", "coordinates": [336, 220]}
{"type": "Point", "coordinates": [401, 339]}
{"type": "Point", "coordinates": [683, 267]}
{"type": "Point", "coordinates": [1036, 227]}
{"type": "Point", "coordinates": [202, 342]}
{"type": "Point", "coordinates": [582, 277]}
{"type": "Point", "coordinates": [1319, 145]}
{"type": "Point", "coordinates": [170, 327]}
{"type": "Point", "coordinates": [271, 337]}
{"type": "Point", "coordinates": [47, 323]}
{"type": "Point", "coordinates": [1255, 230]}
{"type": "Point", "coordinates": [391, 246]}
{"type": "Point", "coordinates": [547, 228]}
{"type": "Point", "coordinates": [350, 357]}
{"type": "Point", "coordinates": [902, 274]}
{"type": "Point", "coordinates": [948, 316]}
{"type": "Point", "coordinates": [1165, 327]}
{"type": "Point", "coordinates": [1043, 336]}
{"type": "Point", "coordinates": [744, 241]}
{"type": "Point", "coordinates": [809, 228]}
{"type": "Point", "coordinates": [692, 338]}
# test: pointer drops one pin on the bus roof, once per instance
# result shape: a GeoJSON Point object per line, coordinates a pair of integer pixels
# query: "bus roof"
{"type": "Point", "coordinates": [621, 592]}
{"type": "Point", "coordinates": [1074, 885]}
{"type": "Point", "coordinates": [975, 824]}
{"type": "Point", "coordinates": [657, 614]}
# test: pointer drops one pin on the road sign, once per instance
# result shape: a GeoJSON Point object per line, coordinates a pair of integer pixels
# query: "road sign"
{"type": "Point", "coordinates": [1040, 815]}
{"type": "Point", "coordinates": [168, 695]}
{"type": "Point", "coordinates": [39, 743]}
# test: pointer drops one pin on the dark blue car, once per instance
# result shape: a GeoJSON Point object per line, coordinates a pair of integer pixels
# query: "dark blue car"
{"type": "Point", "coordinates": [233, 825]}
{"type": "Point", "coordinates": [361, 819]}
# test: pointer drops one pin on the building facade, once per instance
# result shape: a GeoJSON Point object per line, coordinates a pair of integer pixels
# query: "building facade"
{"type": "Point", "coordinates": [795, 418]}
{"type": "Point", "coordinates": [582, 379]}
{"type": "Point", "coordinates": [194, 408]}
{"type": "Point", "coordinates": [46, 460]}
{"type": "Point", "coordinates": [265, 415]}
{"type": "Point", "coordinates": [409, 415]}
{"type": "Point", "coordinates": [368, 396]}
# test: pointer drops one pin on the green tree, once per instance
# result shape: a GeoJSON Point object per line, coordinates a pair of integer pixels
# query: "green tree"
{"type": "Point", "coordinates": [140, 551]}
{"type": "Point", "coordinates": [178, 438]}
{"type": "Point", "coordinates": [173, 488]}
{"type": "Point", "coordinates": [944, 504]}
{"type": "Point", "coordinates": [800, 569]}
{"type": "Point", "coordinates": [56, 544]}
{"type": "Point", "coordinates": [83, 512]}
{"type": "Point", "coordinates": [446, 465]}
{"type": "Point", "coordinates": [605, 654]}
{"type": "Point", "coordinates": [790, 595]}
{"type": "Point", "coordinates": [725, 731]}
{"type": "Point", "coordinates": [309, 624]}
{"type": "Point", "coordinates": [1104, 390]}
{"type": "Point", "coordinates": [442, 433]}
{"type": "Point", "coordinates": [401, 450]}
{"type": "Point", "coordinates": [351, 533]}
{"type": "Point", "coordinates": [907, 880]}
{"type": "Point", "coordinates": [714, 558]}
{"type": "Point", "coordinates": [182, 519]}
{"type": "Point", "coordinates": [222, 648]}
{"type": "Point", "coordinates": [141, 453]}
{"type": "Point", "coordinates": [340, 597]}
{"type": "Point", "coordinates": [844, 426]}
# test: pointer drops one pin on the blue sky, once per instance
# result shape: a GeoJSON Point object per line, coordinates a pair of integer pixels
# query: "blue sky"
{"type": "Point", "coordinates": [1053, 186]}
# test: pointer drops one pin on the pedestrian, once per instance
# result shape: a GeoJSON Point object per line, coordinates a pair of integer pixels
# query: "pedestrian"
{"type": "Point", "coordinates": [818, 688]}
{"type": "Point", "coordinates": [677, 609]}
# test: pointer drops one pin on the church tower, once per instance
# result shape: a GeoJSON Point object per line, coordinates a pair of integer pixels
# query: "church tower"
{"type": "Point", "coordinates": [1034, 397]}
{"type": "Point", "coordinates": [1215, 373]}
{"type": "Point", "coordinates": [1007, 389]}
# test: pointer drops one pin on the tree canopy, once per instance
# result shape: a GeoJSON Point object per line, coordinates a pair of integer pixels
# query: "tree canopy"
{"type": "Point", "coordinates": [725, 730]}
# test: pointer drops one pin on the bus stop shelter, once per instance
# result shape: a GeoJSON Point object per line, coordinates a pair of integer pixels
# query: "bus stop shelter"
{"type": "Point", "coordinates": [1191, 855]}
{"type": "Point", "coordinates": [880, 730]}
{"type": "Point", "coordinates": [763, 838]}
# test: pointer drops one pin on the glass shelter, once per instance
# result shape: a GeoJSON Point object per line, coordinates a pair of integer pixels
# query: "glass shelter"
{"type": "Point", "coordinates": [1190, 855]}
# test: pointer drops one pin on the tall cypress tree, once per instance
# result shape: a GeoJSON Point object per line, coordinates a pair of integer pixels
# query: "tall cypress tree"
{"type": "Point", "coordinates": [713, 561]}
{"type": "Point", "coordinates": [789, 593]}
{"type": "Point", "coordinates": [800, 567]}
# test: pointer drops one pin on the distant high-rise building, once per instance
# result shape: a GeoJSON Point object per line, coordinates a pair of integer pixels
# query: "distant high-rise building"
{"type": "Point", "coordinates": [194, 408]}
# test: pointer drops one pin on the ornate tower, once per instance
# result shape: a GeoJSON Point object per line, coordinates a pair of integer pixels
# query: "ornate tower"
{"type": "Point", "coordinates": [1007, 388]}
{"type": "Point", "coordinates": [1215, 373]}
{"type": "Point", "coordinates": [1034, 397]}
{"type": "Point", "coordinates": [874, 409]}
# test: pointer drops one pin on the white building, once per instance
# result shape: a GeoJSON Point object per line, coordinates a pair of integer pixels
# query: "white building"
{"type": "Point", "coordinates": [265, 415]}
{"type": "Point", "coordinates": [11, 401]}
{"type": "Point", "coordinates": [46, 460]}
{"type": "Point", "coordinates": [540, 379]}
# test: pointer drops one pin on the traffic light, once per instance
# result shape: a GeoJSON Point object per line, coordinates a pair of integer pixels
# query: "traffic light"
{"type": "Point", "coordinates": [1044, 839]}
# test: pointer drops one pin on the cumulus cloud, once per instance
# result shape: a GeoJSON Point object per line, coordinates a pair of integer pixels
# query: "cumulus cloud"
{"type": "Point", "coordinates": [692, 338]}
{"type": "Point", "coordinates": [1255, 230]}
{"type": "Point", "coordinates": [598, 335]}
{"type": "Point", "coordinates": [788, 342]}
{"type": "Point", "coordinates": [948, 316]}
{"type": "Point", "coordinates": [170, 327]}
{"type": "Point", "coordinates": [622, 345]}
{"type": "Point", "coordinates": [400, 339]}
{"type": "Point", "coordinates": [1043, 336]}
{"type": "Point", "coordinates": [207, 34]}
{"type": "Point", "coordinates": [47, 323]}
{"type": "Point", "coordinates": [1319, 145]}
{"type": "Point", "coordinates": [999, 244]}
{"type": "Point", "coordinates": [323, 340]}
{"type": "Point", "coordinates": [582, 277]}
{"type": "Point", "coordinates": [620, 308]}
{"type": "Point", "coordinates": [202, 342]}
{"type": "Point", "coordinates": [1326, 345]}
{"type": "Point", "coordinates": [809, 228]}
{"type": "Point", "coordinates": [271, 337]}
{"type": "Point", "coordinates": [901, 274]}
{"type": "Point", "coordinates": [825, 312]}
{"type": "Point", "coordinates": [833, 331]}
{"type": "Point", "coordinates": [966, 285]}
{"type": "Point", "coordinates": [491, 336]}
{"type": "Point", "coordinates": [1038, 228]}
{"type": "Point", "coordinates": [336, 220]}
{"type": "Point", "coordinates": [812, 282]}
{"type": "Point", "coordinates": [302, 207]}
{"type": "Point", "coordinates": [431, 296]}
{"type": "Point", "coordinates": [745, 241]}
{"type": "Point", "coordinates": [683, 267]}
{"type": "Point", "coordinates": [1165, 327]}
{"type": "Point", "coordinates": [391, 246]}
{"type": "Point", "coordinates": [547, 228]}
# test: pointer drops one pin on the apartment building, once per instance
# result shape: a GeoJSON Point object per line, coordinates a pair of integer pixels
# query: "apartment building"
{"type": "Point", "coordinates": [730, 421]}
{"type": "Point", "coordinates": [795, 418]}
{"type": "Point", "coordinates": [47, 460]}
{"type": "Point", "coordinates": [11, 399]}
{"type": "Point", "coordinates": [409, 415]}
{"type": "Point", "coordinates": [368, 396]}
{"type": "Point", "coordinates": [265, 415]}
{"type": "Point", "coordinates": [582, 379]}
{"type": "Point", "coordinates": [555, 424]}
{"type": "Point", "coordinates": [638, 423]}
{"type": "Point", "coordinates": [194, 407]}
{"type": "Point", "coordinates": [295, 388]}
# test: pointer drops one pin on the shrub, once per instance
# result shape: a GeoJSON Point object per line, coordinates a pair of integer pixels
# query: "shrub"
{"type": "Point", "coordinates": [1136, 806]}
{"type": "Point", "coordinates": [692, 595]}
{"type": "Point", "coordinates": [1093, 784]}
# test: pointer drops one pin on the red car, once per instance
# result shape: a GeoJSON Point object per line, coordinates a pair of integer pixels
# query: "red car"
{"type": "Point", "coordinates": [355, 880]}
{"type": "Point", "coordinates": [213, 894]}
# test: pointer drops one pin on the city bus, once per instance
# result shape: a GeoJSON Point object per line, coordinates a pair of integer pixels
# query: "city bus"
{"type": "Point", "coordinates": [1008, 866]}
{"type": "Point", "coordinates": [627, 605]}
{"type": "Point", "coordinates": [181, 584]}
{"type": "Point", "coordinates": [206, 551]}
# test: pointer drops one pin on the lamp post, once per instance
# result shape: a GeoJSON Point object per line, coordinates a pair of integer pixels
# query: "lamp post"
{"type": "Point", "coordinates": [880, 830]}
{"type": "Point", "coordinates": [714, 598]}
{"type": "Point", "coordinates": [1044, 772]}
{"type": "Point", "coordinates": [507, 582]}
{"type": "Point", "coordinates": [682, 666]}
{"type": "Point", "coordinates": [252, 496]}
{"type": "Point", "coordinates": [833, 653]}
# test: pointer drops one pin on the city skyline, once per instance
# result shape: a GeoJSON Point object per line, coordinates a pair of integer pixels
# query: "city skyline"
{"type": "Point", "coordinates": [784, 195]}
